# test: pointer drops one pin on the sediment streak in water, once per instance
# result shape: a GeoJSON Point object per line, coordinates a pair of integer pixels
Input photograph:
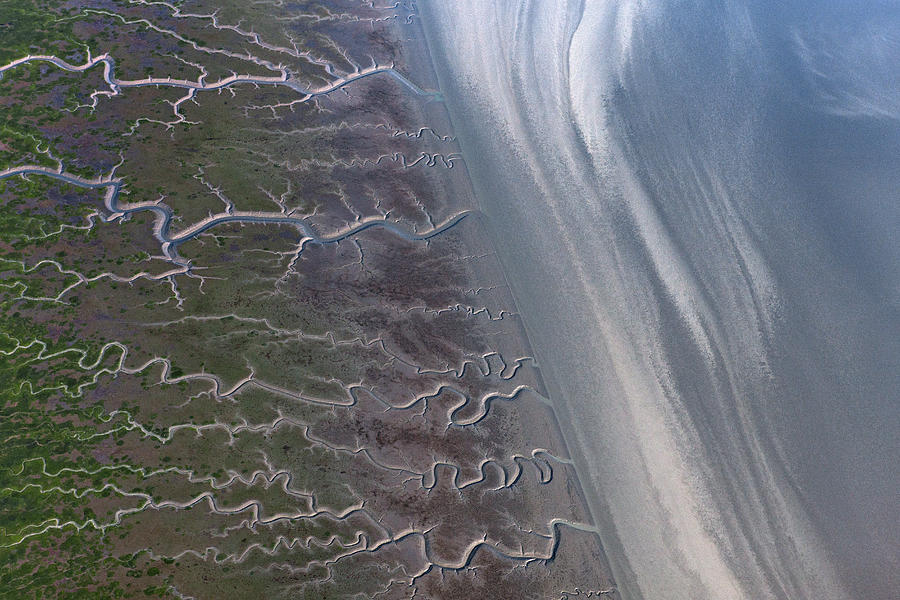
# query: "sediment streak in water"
{"type": "Point", "coordinates": [621, 153]}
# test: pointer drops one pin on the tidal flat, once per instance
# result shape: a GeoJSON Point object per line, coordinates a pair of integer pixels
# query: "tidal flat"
{"type": "Point", "coordinates": [255, 340]}
{"type": "Point", "coordinates": [695, 206]}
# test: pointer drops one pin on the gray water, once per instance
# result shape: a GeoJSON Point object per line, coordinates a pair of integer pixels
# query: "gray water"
{"type": "Point", "coordinates": [697, 205]}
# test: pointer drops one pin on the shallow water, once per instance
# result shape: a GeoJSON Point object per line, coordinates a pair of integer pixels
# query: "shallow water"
{"type": "Point", "coordinates": [696, 205]}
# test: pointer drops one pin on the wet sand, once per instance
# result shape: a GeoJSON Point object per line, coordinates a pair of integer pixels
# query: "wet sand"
{"type": "Point", "coordinates": [663, 262]}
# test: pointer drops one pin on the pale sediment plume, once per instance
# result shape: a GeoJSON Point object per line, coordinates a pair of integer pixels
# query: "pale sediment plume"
{"type": "Point", "coordinates": [679, 284]}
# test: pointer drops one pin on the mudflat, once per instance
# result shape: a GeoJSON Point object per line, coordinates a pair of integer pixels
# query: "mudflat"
{"type": "Point", "coordinates": [255, 340]}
